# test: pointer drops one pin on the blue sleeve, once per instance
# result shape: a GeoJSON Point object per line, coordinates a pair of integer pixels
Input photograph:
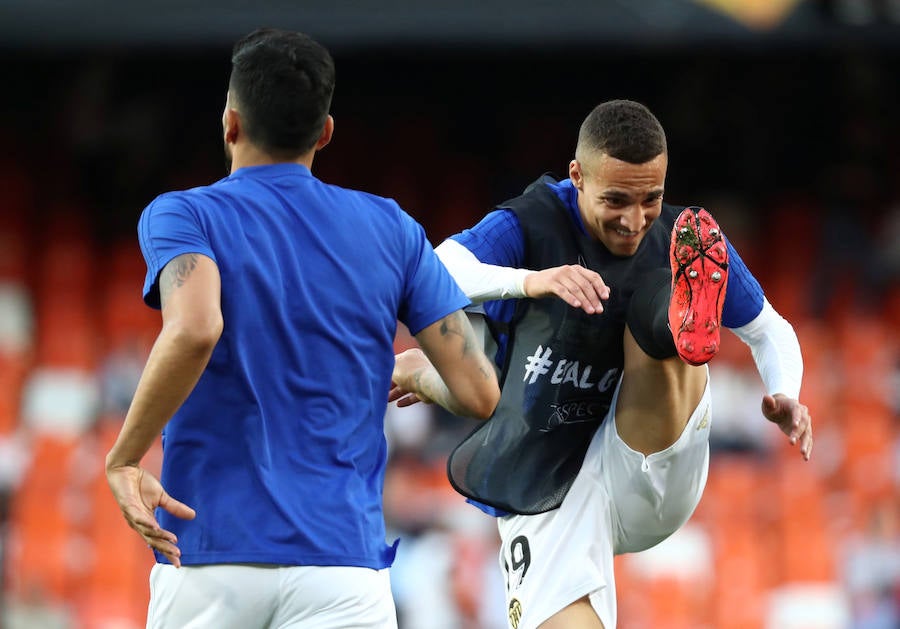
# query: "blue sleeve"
{"type": "Point", "coordinates": [744, 295]}
{"type": "Point", "coordinates": [496, 239]}
{"type": "Point", "coordinates": [431, 293]}
{"type": "Point", "coordinates": [493, 511]}
{"type": "Point", "coordinates": [168, 227]}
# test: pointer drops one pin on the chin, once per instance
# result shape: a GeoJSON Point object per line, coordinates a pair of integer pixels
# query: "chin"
{"type": "Point", "coordinates": [624, 248]}
{"type": "Point", "coordinates": [624, 252]}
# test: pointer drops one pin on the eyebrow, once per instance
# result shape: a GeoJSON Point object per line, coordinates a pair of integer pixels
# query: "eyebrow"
{"type": "Point", "coordinates": [615, 195]}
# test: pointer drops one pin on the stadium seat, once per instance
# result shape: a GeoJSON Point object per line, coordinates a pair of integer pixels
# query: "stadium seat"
{"type": "Point", "coordinates": [126, 320]}
{"type": "Point", "coordinates": [802, 530]}
{"type": "Point", "coordinates": [674, 580]}
{"type": "Point", "coordinates": [13, 371]}
{"type": "Point", "coordinates": [42, 546]}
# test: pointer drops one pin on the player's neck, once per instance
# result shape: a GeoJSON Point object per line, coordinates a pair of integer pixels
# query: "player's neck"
{"type": "Point", "coordinates": [249, 155]}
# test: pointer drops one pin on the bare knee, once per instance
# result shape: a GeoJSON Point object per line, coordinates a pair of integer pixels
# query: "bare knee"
{"type": "Point", "coordinates": [578, 615]}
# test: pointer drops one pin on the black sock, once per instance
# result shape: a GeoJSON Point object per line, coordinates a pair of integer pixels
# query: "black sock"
{"type": "Point", "coordinates": [648, 315]}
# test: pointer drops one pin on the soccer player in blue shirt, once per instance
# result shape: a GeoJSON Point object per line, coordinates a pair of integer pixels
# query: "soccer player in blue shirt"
{"type": "Point", "coordinates": [604, 304]}
{"type": "Point", "coordinates": [280, 297]}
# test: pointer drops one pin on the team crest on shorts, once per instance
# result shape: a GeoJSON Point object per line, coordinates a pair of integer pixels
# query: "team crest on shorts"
{"type": "Point", "coordinates": [515, 613]}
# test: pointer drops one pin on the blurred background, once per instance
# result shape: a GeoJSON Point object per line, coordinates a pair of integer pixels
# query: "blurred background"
{"type": "Point", "coordinates": [781, 116]}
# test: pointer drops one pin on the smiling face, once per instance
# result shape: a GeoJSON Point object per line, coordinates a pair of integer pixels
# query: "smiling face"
{"type": "Point", "coordinates": [618, 200]}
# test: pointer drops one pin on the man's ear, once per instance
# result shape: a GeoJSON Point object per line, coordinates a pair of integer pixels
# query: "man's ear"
{"type": "Point", "coordinates": [231, 124]}
{"type": "Point", "coordinates": [576, 175]}
{"type": "Point", "coordinates": [327, 132]}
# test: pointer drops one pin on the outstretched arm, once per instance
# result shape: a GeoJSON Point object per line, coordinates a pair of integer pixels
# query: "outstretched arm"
{"type": "Point", "coordinates": [189, 288]}
{"type": "Point", "coordinates": [776, 352]}
{"type": "Point", "coordinates": [576, 285]}
{"type": "Point", "coordinates": [451, 370]}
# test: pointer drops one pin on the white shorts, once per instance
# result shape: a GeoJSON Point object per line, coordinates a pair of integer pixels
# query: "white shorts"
{"type": "Point", "coordinates": [620, 502]}
{"type": "Point", "coordinates": [240, 596]}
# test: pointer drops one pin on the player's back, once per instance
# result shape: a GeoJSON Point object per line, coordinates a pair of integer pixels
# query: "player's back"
{"type": "Point", "coordinates": [287, 417]}
{"type": "Point", "coordinates": [312, 276]}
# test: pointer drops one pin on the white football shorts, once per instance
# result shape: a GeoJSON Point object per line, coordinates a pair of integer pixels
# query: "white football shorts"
{"type": "Point", "coordinates": [620, 502]}
{"type": "Point", "coordinates": [238, 596]}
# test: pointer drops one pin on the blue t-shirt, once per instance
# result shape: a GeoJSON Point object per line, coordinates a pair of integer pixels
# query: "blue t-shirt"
{"type": "Point", "coordinates": [280, 447]}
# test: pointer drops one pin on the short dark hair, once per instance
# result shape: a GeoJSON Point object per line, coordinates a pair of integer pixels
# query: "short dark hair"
{"type": "Point", "coordinates": [282, 83]}
{"type": "Point", "coordinates": [623, 129]}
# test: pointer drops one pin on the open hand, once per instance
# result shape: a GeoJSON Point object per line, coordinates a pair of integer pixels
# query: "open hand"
{"type": "Point", "coordinates": [138, 493]}
{"type": "Point", "coordinates": [574, 284]}
{"type": "Point", "coordinates": [793, 418]}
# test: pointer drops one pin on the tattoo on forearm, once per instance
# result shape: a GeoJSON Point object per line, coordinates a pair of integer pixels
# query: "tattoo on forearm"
{"type": "Point", "coordinates": [176, 273]}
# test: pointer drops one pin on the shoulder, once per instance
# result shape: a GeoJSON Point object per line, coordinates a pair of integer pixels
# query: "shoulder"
{"type": "Point", "coordinates": [165, 208]}
{"type": "Point", "coordinates": [185, 201]}
{"type": "Point", "coordinates": [498, 224]}
{"type": "Point", "coordinates": [335, 191]}
{"type": "Point", "coordinates": [179, 212]}
{"type": "Point", "coordinates": [167, 201]}
{"type": "Point", "coordinates": [376, 207]}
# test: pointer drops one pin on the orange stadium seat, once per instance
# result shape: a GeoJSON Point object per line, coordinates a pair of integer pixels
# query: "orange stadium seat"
{"type": "Point", "coordinates": [126, 320]}
{"type": "Point", "coordinates": [731, 492]}
{"type": "Point", "coordinates": [819, 347]}
{"type": "Point", "coordinates": [805, 552]}
{"type": "Point", "coordinates": [741, 577]}
{"type": "Point", "coordinates": [66, 335]}
{"type": "Point", "coordinates": [869, 437]}
{"type": "Point", "coordinates": [116, 583]}
{"type": "Point", "coordinates": [40, 523]}
{"type": "Point", "coordinates": [13, 370]}
{"type": "Point", "coordinates": [127, 263]}
{"type": "Point", "coordinates": [734, 510]}
{"type": "Point", "coordinates": [66, 264]}
{"type": "Point", "coordinates": [667, 599]}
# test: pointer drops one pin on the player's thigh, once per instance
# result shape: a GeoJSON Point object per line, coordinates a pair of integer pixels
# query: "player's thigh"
{"type": "Point", "coordinates": [578, 615]}
{"type": "Point", "coordinates": [214, 596]}
{"type": "Point", "coordinates": [655, 398]}
{"type": "Point", "coordinates": [551, 560]}
{"type": "Point", "coordinates": [653, 495]}
{"type": "Point", "coordinates": [335, 597]}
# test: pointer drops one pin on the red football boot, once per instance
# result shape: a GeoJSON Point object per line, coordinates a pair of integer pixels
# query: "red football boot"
{"type": "Point", "coordinates": [699, 259]}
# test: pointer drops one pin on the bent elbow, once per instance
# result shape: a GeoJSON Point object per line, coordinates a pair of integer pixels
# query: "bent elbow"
{"type": "Point", "coordinates": [199, 335]}
{"type": "Point", "coordinates": [487, 403]}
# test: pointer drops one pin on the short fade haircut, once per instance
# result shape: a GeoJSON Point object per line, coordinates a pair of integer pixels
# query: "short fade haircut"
{"type": "Point", "coordinates": [282, 83]}
{"type": "Point", "coordinates": [623, 129]}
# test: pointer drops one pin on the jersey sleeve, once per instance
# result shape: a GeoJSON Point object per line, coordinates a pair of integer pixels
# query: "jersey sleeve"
{"type": "Point", "coordinates": [481, 281]}
{"type": "Point", "coordinates": [168, 228]}
{"type": "Point", "coordinates": [776, 351]}
{"type": "Point", "coordinates": [744, 296]}
{"type": "Point", "coordinates": [496, 239]}
{"type": "Point", "coordinates": [430, 292]}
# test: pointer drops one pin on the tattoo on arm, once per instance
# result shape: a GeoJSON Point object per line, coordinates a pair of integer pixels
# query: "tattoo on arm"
{"type": "Point", "coordinates": [175, 274]}
{"type": "Point", "coordinates": [427, 381]}
{"type": "Point", "coordinates": [458, 323]}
